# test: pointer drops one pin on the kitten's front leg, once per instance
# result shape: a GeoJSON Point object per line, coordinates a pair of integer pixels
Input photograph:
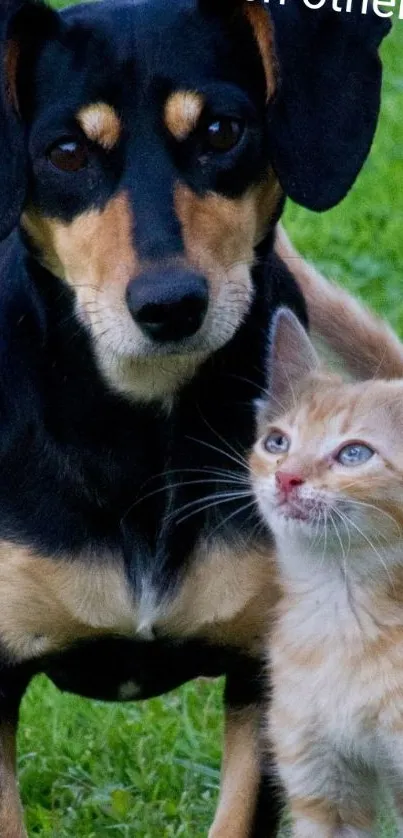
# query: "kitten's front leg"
{"type": "Point", "coordinates": [303, 770]}
{"type": "Point", "coordinates": [393, 740]}
{"type": "Point", "coordinates": [312, 818]}
{"type": "Point", "coordinates": [398, 798]}
{"type": "Point", "coordinates": [319, 817]}
{"type": "Point", "coordinates": [328, 798]}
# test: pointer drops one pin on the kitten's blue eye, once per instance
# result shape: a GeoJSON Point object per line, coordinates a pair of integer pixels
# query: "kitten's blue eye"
{"type": "Point", "coordinates": [277, 442]}
{"type": "Point", "coordinates": [355, 454]}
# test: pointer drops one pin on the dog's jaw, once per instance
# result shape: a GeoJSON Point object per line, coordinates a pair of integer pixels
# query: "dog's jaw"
{"type": "Point", "coordinates": [149, 379]}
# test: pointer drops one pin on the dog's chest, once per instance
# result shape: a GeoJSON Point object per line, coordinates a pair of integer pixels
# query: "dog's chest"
{"type": "Point", "coordinates": [48, 604]}
{"type": "Point", "coordinates": [114, 520]}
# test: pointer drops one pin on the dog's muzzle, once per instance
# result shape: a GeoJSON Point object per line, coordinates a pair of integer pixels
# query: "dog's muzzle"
{"type": "Point", "coordinates": [168, 304]}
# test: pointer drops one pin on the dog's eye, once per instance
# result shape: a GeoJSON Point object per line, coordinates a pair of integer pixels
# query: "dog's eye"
{"type": "Point", "coordinates": [69, 155]}
{"type": "Point", "coordinates": [223, 134]}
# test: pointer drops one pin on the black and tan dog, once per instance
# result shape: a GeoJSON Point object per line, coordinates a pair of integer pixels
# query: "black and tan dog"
{"type": "Point", "coordinates": [146, 149]}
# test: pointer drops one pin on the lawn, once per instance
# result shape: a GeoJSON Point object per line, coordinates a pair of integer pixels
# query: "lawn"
{"type": "Point", "coordinates": [152, 770]}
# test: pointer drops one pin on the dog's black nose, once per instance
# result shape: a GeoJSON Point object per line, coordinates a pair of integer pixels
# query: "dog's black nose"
{"type": "Point", "coordinates": [168, 305]}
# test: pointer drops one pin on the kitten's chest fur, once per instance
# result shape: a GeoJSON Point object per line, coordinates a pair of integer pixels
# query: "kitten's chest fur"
{"type": "Point", "coordinates": [337, 653]}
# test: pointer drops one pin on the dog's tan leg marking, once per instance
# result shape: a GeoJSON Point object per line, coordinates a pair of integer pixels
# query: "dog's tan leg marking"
{"type": "Point", "coordinates": [11, 823]}
{"type": "Point", "coordinates": [240, 775]}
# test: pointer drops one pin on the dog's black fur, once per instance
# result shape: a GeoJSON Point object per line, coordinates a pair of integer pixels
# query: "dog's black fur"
{"type": "Point", "coordinates": [85, 470]}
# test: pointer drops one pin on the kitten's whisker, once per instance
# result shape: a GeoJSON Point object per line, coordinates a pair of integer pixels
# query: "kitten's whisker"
{"type": "Point", "coordinates": [337, 534]}
{"type": "Point", "coordinates": [263, 390]}
{"type": "Point", "coordinates": [340, 540]}
{"type": "Point", "coordinates": [379, 512]}
{"type": "Point", "coordinates": [232, 515]}
{"type": "Point", "coordinates": [179, 485]}
{"type": "Point", "coordinates": [289, 382]}
{"type": "Point", "coordinates": [380, 361]}
{"type": "Point", "coordinates": [325, 539]}
{"type": "Point", "coordinates": [370, 543]}
{"type": "Point", "coordinates": [345, 522]}
{"type": "Point", "coordinates": [166, 488]}
{"type": "Point", "coordinates": [205, 470]}
{"type": "Point", "coordinates": [212, 496]}
{"type": "Point", "coordinates": [238, 461]}
{"type": "Point", "coordinates": [216, 500]}
{"type": "Point", "coordinates": [317, 532]}
{"type": "Point", "coordinates": [375, 480]}
{"type": "Point", "coordinates": [225, 442]}
{"type": "Point", "coordinates": [275, 400]}
{"type": "Point", "coordinates": [200, 509]}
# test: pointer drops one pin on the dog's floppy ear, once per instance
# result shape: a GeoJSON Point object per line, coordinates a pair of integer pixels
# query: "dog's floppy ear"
{"type": "Point", "coordinates": [21, 21]}
{"type": "Point", "coordinates": [324, 113]}
{"type": "Point", "coordinates": [323, 120]}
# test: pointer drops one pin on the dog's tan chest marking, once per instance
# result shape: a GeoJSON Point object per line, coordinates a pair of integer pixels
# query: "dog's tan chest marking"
{"type": "Point", "coordinates": [226, 597]}
{"type": "Point", "coordinates": [46, 604]}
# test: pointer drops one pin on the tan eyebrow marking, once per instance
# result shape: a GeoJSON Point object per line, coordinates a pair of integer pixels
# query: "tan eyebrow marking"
{"type": "Point", "coordinates": [182, 113]}
{"type": "Point", "coordinates": [101, 124]}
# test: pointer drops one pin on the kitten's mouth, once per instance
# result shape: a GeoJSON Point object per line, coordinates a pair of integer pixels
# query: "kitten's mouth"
{"type": "Point", "coordinates": [298, 509]}
{"type": "Point", "coordinates": [288, 511]}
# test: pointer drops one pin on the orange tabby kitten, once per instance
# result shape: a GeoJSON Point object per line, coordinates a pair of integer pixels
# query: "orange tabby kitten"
{"type": "Point", "coordinates": [327, 473]}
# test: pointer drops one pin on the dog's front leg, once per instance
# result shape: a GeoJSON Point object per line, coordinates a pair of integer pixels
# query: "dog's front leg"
{"type": "Point", "coordinates": [11, 819]}
{"type": "Point", "coordinates": [240, 775]}
{"type": "Point", "coordinates": [249, 806]}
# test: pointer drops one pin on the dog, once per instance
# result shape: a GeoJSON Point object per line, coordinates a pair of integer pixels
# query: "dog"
{"type": "Point", "coordinates": [146, 153]}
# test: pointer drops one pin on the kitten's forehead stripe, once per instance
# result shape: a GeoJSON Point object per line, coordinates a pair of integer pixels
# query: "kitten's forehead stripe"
{"type": "Point", "coordinates": [182, 113]}
{"type": "Point", "coordinates": [100, 124]}
{"type": "Point", "coordinates": [328, 413]}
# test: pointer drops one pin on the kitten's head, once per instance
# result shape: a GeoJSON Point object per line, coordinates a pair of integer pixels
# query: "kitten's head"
{"type": "Point", "coordinates": [330, 454]}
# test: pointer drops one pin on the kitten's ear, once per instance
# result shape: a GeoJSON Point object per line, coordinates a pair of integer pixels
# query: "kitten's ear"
{"type": "Point", "coordinates": [292, 357]}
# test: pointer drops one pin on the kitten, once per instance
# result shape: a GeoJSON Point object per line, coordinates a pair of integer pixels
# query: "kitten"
{"type": "Point", "coordinates": [327, 473]}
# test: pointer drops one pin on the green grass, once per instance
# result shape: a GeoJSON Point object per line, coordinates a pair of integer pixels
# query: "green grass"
{"type": "Point", "coordinates": [149, 770]}
{"type": "Point", "coordinates": [152, 770]}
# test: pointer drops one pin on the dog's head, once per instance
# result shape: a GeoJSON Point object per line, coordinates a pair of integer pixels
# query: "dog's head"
{"type": "Point", "coordinates": [146, 148]}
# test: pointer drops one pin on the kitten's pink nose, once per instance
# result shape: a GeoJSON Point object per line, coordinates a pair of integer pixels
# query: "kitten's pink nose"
{"type": "Point", "coordinates": [287, 481]}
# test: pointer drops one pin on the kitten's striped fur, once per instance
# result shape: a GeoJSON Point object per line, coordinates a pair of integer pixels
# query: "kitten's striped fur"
{"type": "Point", "coordinates": [336, 653]}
